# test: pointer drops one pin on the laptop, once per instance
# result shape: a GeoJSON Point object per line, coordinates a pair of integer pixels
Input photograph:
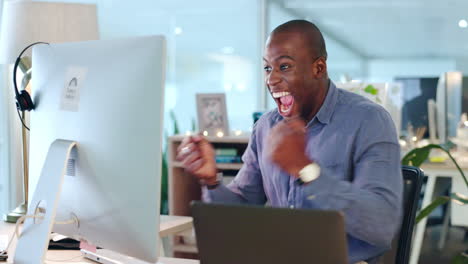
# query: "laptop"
{"type": "Point", "coordinates": [236, 234]}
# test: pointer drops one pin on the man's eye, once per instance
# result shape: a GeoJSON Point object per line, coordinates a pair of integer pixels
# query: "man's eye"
{"type": "Point", "coordinates": [284, 67]}
{"type": "Point", "coordinates": [267, 68]}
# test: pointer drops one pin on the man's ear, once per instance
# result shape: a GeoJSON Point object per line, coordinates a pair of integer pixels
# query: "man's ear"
{"type": "Point", "coordinates": [320, 68]}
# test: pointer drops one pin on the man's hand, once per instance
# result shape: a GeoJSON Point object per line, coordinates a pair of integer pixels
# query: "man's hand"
{"type": "Point", "coordinates": [287, 144]}
{"type": "Point", "coordinates": [198, 158]}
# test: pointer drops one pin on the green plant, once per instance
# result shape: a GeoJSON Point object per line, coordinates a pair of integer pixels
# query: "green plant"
{"type": "Point", "coordinates": [415, 158]}
{"type": "Point", "coordinates": [367, 89]}
{"type": "Point", "coordinates": [164, 184]}
{"type": "Point", "coordinates": [164, 167]}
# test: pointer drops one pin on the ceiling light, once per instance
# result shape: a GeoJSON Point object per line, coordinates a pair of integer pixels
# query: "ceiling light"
{"type": "Point", "coordinates": [462, 23]}
{"type": "Point", "coordinates": [227, 87]}
{"type": "Point", "coordinates": [178, 30]}
{"type": "Point", "coordinates": [241, 87]}
{"type": "Point", "coordinates": [227, 50]}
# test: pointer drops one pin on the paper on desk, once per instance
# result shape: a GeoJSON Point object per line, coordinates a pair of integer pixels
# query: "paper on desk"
{"type": "Point", "coordinates": [3, 242]}
{"type": "Point", "coordinates": [86, 246]}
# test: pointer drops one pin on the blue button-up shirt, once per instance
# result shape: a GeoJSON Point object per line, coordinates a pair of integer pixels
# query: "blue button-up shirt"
{"type": "Point", "coordinates": [355, 143]}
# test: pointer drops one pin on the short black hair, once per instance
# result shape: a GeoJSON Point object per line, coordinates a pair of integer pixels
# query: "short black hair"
{"type": "Point", "coordinates": [309, 31]}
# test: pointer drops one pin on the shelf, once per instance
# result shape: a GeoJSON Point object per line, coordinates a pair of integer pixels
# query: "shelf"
{"type": "Point", "coordinates": [243, 139]}
{"type": "Point", "coordinates": [221, 166]}
{"type": "Point", "coordinates": [229, 166]}
{"type": "Point", "coordinates": [185, 248]}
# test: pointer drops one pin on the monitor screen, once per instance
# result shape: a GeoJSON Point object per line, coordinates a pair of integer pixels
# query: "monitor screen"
{"type": "Point", "coordinates": [107, 96]}
{"type": "Point", "coordinates": [465, 95]}
{"type": "Point", "coordinates": [415, 94]}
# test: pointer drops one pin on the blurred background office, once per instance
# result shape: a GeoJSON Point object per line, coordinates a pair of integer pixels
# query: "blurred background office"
{"type": "Point", "coordinates": [216, 47]}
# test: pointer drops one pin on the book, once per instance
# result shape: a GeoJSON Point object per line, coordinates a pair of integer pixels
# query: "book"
{"type": "Point", "coordinates": [227, 159]}
{"type": "Point", "coordinates": [226, 152]}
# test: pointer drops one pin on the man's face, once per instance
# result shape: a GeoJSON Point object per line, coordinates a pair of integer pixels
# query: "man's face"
{"type": "Point", "coordinates": [291, 74]}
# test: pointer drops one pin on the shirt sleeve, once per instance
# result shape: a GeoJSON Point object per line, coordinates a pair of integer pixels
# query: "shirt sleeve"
{"type": "Point", "coordinates": [372, 201]}
{"type": "Point", "coordinates": [247, 186]}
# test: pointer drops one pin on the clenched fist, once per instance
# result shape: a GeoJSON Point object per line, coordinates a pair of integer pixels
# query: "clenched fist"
{"type": "Point", "coordinates": [286, 146]}
{"type": "Point", "coordinates": [198, 158]}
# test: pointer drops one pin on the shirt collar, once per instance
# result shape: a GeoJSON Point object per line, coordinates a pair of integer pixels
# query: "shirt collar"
{"type": "Point", "coordinates": [326, 110]}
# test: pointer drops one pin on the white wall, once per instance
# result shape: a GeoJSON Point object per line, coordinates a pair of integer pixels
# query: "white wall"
{"type": "Point", "coordinates": [3, 139]}
{"type": "Point", "coordinates": [4, 160]}
{"type": "Point", "coordinates": [462, 65]}
{"type": "Point", "coordinates": [10, 190]}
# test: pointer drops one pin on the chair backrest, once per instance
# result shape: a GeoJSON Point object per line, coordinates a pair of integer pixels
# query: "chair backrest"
{"type": "Point", "coordinates": [401, 246]}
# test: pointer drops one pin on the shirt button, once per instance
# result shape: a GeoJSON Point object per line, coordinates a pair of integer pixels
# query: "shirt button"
{"type": "Point", "coordinates": [291, 206]}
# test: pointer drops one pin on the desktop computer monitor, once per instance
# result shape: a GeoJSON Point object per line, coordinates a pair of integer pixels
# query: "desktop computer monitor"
{"type": "Point", "coordinates": [448, 105]}
{"type": "Point", "coordinates": [416, 92]}
{"type": "Point", "coordinates": [446, 93]}
{"type": "Point", "coordinates": [107, 96]}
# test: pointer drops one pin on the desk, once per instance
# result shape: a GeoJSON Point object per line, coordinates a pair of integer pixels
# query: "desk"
{"type": "Point", "coordinates": [458, 213]}
{"type": "Point", "coordinates": [170, 225]}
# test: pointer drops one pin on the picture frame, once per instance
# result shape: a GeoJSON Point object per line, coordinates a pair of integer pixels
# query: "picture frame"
{"type": "Point", "coordinates": [212, 114]}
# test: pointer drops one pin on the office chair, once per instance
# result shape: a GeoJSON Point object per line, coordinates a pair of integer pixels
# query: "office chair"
{"type": "Point", "coordinates": [401, 245]}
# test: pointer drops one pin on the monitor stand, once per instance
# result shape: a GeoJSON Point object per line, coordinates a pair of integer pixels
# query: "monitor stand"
{"type": "Point", "coordinates": [33, 242]}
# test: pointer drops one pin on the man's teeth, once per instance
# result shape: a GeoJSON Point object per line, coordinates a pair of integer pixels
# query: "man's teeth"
{"type": "Point", "coordinates": [280, 94]}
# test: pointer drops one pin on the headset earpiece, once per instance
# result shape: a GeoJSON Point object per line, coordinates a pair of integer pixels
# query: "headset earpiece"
{"type": "Point", "coordinates": [24, 101]}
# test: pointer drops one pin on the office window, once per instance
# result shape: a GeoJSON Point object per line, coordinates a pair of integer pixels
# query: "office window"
{"type": "Point", "coordinates": [212, 48]}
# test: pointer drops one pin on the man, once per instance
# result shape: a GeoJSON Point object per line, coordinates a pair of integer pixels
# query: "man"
{"type": "Point", "coordinates": [322, 148]}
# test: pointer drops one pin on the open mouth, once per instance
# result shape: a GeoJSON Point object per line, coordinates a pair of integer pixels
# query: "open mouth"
{"type": "Point", "coordinates": [285, 102]}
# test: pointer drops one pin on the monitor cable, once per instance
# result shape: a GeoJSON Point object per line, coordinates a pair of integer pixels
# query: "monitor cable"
{"type": "Point", "coordinates": [4, 253]}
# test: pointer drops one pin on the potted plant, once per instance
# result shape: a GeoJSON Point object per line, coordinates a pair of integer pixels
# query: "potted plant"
{"type": "Point", "coordinates": [415, 158]}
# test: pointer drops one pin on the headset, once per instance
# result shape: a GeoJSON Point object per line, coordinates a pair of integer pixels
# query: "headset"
{"type": "Point", "coordinates": [23, 99]}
